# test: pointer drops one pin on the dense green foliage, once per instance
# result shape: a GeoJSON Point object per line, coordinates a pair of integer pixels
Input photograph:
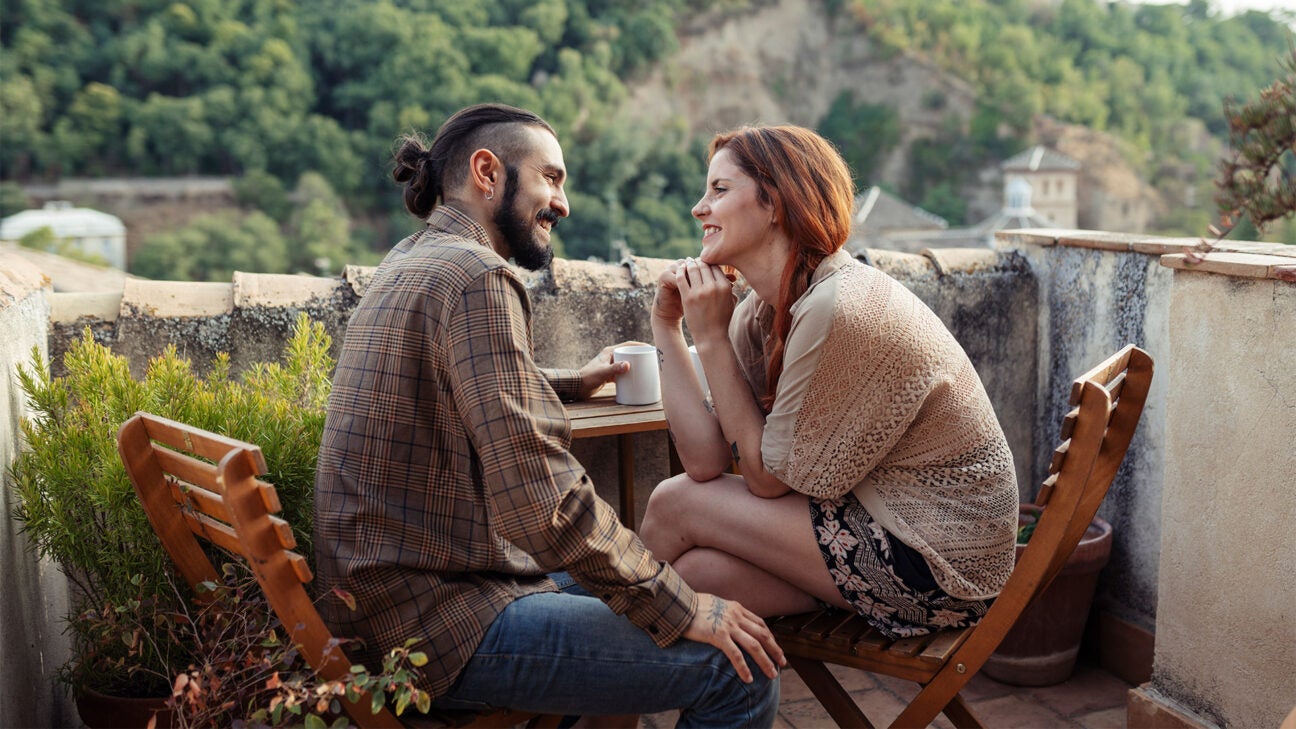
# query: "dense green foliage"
{"type": "Point", "coordinates": [78, 508]}
{"type": "Point", "coordinates": [269, 91]}
{"type": "Point", "coordinates": [249, 87]}
{"type": "Point", "coordinates": [1145, 72]}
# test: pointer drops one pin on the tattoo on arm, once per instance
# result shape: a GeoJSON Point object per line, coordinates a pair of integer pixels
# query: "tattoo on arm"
{"type": "Point", "coordinates": [734, 447]}
{"type": "Point", "coordinates": [718, 610]}
{"type": "Point", "coordinates": [661, 358]}
{"type": "Point", "coordinates": [709, 407]}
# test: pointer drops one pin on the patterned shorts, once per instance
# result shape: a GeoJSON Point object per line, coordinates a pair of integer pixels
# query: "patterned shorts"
{"type": "Point", "coordinates": [887, 581]}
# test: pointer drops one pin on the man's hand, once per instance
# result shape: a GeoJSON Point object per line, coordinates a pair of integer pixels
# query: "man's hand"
{"type": "Point", "coordinates": [601, 370]}
{"type": "Point", "coordinates": [733, 629]}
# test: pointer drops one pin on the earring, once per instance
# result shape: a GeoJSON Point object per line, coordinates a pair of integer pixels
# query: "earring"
{"type": "Point", "coordinates": [491, 195]}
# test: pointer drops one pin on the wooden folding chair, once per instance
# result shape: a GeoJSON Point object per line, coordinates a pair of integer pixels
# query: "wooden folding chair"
{"type": "Point", "coordinates": [194, 483]}
{"type": "Point", "coordinates": [1108, 401]}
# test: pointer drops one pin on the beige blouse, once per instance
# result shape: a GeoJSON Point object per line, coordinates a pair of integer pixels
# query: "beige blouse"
{"type": "Point", "coordinates": [877, 398]}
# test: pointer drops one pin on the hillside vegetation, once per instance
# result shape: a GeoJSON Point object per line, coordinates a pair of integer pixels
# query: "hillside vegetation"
{"type": "Point", "coordinates": [301, 101]}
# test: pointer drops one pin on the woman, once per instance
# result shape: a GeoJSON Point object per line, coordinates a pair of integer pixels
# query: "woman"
{"type": "Point", "coordinates": [875, 476]}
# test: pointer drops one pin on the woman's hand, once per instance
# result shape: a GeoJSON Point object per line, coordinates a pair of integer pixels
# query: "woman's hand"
{"type": "Point", "coordinates": [734, 630]}
{"type": "Point", "coordinates": [667, 307]}
{"type": "Point", "coordinates": [707, 298]}
{"type": "Point", "coordinates": [601, 370]}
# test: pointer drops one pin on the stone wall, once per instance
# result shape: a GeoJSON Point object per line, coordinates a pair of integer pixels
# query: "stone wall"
{"type": "Point", "coordinates": [1226, 619]}
{"type": "Point", "coordinates": [1099, 292]}
{"type": "Point", "coordinates": [986, 298]}
{"type": "Point", "coordinates": [33, 594]}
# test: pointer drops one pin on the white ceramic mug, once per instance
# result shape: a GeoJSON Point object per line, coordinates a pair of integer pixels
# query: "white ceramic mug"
{"type": "Point", "coordinates": [642, 384]}
{"type": "Point", "coordinates": [697, 367]}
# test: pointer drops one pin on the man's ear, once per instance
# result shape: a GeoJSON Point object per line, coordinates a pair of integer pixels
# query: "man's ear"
{"type": "Point", "coordinates": [485, 172]}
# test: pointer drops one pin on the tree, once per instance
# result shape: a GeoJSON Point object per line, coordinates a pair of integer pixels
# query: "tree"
{"type": "Point", "coordinates": [864, 133]}
{"type": "Point", "coordinates": [1259, 181]}
{"type": "Point", "coordinates": [21, 112]}
{"type": "Point", "coordinates": [12, 199]}
{"type": "Point", "coordinates": [213, 247]}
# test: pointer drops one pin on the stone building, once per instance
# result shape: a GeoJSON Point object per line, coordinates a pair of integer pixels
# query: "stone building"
{"type": "Point", "coordinates": [1053, 179]}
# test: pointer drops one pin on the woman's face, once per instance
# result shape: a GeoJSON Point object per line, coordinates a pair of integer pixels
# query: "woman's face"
{"type": "Point", "coordinates": [734, 222]}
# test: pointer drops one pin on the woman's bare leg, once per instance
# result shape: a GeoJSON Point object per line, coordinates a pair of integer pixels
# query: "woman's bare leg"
{"type": "Point", "coordinates": [720, 573]}
{"type": "Point", "coordinates": [772, 536]}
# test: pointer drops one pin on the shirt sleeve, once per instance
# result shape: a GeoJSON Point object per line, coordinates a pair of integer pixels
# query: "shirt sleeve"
{"type": "Point", "coordinates": [540, 497]}
{"type": "Point", "coordinates": [565, 383]}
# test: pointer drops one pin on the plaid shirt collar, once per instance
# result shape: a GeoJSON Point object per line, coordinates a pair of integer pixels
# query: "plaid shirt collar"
{"type": "Point", "coordinates": [447, 218]}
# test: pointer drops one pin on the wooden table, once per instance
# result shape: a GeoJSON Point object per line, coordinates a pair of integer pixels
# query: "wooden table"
{"type": "Point", "coordinates": [602, 415]}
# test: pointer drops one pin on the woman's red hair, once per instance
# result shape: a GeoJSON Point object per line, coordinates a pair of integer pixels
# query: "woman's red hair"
{"type": "Point", "coordinates": [802, 177]}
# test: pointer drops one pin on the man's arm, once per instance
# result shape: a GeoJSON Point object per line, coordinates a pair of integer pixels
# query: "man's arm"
{"type": "Point", "coordinates": [583, 383]}
{"type": "Point", "coordinates": [540, 497]}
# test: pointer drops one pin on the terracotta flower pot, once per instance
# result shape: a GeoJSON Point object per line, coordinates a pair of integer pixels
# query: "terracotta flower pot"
{"type": "Point", "coordinates": [1041, 648]}
{"type": "Point", "coordinates": [101, 711]}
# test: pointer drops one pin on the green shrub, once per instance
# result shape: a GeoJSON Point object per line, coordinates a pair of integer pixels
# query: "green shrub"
{"type": "Point", "coordinates": [79, 509]}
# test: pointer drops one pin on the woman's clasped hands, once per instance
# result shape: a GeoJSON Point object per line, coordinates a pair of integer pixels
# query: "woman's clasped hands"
{"type": "Point", "coordinates": [698, 292]}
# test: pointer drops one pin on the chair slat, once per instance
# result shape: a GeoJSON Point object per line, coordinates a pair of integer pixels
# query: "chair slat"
{"type": "Point", "coordinates": [1115, 386]}
{"type": "Point", "coordinates": [186, 468]}
{"type": "Point", "coordinates": [851, 633]}
{"type": "Point", "coordinates": [825, 623]}
{"type": "Point", "coordinates": [1068, 423]}
{"type": "Point", "coordinates": [910, 647]}
{"type": "Point", "coordinates": [300, 568]}
{"type": "Point", "coordinates": [944, 643]}
{"type": "Point", "coordinates": [1059, 456]}
{"type": "Point", "coordinates": [197, 497]}
{"type": "Point", "coordinates": [222, 535]}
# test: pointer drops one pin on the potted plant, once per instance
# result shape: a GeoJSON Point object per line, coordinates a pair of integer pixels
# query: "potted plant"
{"type": "Point", "coordinates": [1041, 648]}
{"type": "Point", "coordinates": [78, 508]}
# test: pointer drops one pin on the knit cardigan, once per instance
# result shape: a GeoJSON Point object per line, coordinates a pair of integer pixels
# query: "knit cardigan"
{"type": "Point", "coordinates": [878, 398]}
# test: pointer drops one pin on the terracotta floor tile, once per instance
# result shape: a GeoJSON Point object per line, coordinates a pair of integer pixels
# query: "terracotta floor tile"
{"type": "Point", "coordinates": [1018, 712]}
{"type": "Point", "coordinates": [1114, 718]}
{"type": "Point", "coordinates": [982, 687]}
{"type": "Point", "coordinates": [804, 714]}
{"type": "Point", "coordinates": [853, 679]}
{"type": "Point", "coordinates": [1089, 689]}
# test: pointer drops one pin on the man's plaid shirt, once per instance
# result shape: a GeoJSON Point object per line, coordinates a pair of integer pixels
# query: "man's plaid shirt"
{"type": "Point", "coordinates": [445, 489]}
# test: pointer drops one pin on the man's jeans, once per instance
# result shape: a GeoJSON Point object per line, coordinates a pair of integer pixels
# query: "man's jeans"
{"type": "Point", "coordinates": [568, 653]}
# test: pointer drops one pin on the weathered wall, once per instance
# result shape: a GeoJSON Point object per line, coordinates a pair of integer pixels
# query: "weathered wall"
{"type": "Point", "coordinates": [33, 594]}
{"type": "Point", "coordinates": [986, 298]}
{"type": "Point", "coordinates": [1226, 622]}
{"type": "Point", "coordinates": [1099, 292]}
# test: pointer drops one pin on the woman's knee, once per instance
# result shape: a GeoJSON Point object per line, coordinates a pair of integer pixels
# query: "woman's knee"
{"type": "Point", "coordinates": [667, 500]}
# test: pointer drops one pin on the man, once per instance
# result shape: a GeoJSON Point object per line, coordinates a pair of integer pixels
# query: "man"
{"type": "Point", "coordinates": [446, 492]}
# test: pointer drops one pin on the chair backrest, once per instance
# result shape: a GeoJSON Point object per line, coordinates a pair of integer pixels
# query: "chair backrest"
{"type": "Point", "coordinates": [194, 483]}
{"type": "Point", "coordinates": [1107, 402]}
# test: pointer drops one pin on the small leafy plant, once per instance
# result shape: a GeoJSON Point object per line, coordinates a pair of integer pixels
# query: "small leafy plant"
{"type": "Point", "coordinates": [78, 508]}
{"type": "Point", "coordinates": [245, 672]}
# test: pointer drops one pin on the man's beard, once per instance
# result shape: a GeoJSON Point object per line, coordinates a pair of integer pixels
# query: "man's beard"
{"type": "Point", "coordinates": [519, 232]}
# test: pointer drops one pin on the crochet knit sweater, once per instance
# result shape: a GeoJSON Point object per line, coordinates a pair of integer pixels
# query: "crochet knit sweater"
{"type": "Point", "coordinates": [878, 398]}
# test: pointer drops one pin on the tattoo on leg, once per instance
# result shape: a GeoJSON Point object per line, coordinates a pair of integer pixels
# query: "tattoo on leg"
{"type": "Point", "coordinates": [734, 447]}
{"type": "Point", "coordinates": [718, 609]}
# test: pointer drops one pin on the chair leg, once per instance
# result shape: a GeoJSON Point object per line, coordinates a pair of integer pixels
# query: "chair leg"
{"type": "Point", "coordinates": [960, 714]}
{"type": "Point", "coordinates": [940, 694]}
{"type": "Point", "coordinates": [840, 706]}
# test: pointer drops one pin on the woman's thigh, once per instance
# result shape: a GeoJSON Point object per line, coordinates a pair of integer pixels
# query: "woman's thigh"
{"type": "Point", "coordinates": [775, 535]}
